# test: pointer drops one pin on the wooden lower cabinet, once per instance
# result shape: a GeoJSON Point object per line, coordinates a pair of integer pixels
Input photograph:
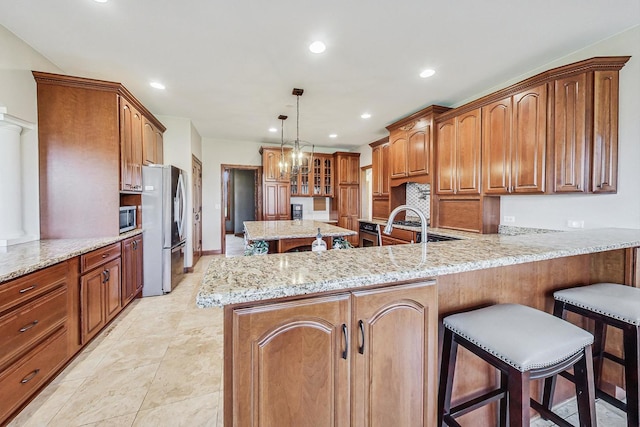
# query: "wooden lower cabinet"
{"type": "Point", "coordinates": [132, 277]}
{"type": "Point", "coordinates": [332, 360]}
{"type": "Point", "coordinates": [99, 298]}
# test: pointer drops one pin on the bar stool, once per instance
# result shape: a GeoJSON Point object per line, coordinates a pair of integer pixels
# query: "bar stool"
{"type": "Point", "coordinates": [523, 344]}
{"type": "Point", "coordinates": [608, 304]}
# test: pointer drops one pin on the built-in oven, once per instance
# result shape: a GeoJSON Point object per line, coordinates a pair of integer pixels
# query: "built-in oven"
{"type": "Point", "coordinates": [369, 234]}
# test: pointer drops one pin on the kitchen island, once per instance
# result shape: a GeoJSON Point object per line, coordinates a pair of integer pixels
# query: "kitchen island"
{"type": "Point", "coordinates": [351, 336]}
{"type": "Point", "coordinates": [294, 234]}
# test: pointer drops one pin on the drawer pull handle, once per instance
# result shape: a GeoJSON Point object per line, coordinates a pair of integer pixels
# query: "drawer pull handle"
{"type": "Point", "coordinates": [30, 376]}
{"type": "Point", "coordinates": [29, 326]}
{"type": "Point", "coordinates": [22, 291]}
{"type": "Point", "coordinates": [361, 326]}
{"type": "Point", "coordinates": [105, 255]}
{"type": "Point", "coordinates": [346, 341]}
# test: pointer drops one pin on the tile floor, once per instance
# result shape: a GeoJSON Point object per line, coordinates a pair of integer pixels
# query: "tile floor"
{"type": "Point", "coordinates": [159, 364]}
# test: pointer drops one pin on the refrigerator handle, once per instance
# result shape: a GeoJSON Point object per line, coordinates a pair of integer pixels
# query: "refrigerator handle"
{"type": "Point", "coordinates": [180, 205]}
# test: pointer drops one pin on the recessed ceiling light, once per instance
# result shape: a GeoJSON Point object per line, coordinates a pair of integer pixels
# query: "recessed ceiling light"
{"type": "Point", "coordinates": [273, 130]}
{"type": "Point", "coordinates": [365, 115]}
{"type": "Point", "coordinates": [156, 85]}
{"type": "Point", "coordinates": [101, 1]}
{"type": "Point", "coordinates": [427, 73]}
{"type": "Point", "coordinates": [317, 47]}
{"type": "Point", "coordinates": [333, 135]}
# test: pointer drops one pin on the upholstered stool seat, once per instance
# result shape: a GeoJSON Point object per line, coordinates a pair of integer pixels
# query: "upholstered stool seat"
{"type": "Point", "coordinates": [524, 344]}
{"type": "Point", "coordinates": [608, 304]}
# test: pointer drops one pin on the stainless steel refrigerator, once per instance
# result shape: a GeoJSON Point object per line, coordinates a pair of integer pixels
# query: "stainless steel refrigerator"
{"type": "Point", "coordinates": [164, 227]}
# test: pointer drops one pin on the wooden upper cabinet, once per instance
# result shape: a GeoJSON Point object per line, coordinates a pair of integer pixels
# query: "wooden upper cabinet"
{"type": "Point", "coordinates": [419, 149]}
{"type": "Point", "coordinates": [458, 158]}
{"type": "Point", "coordinates": [288, 364]}
{"type": "Point", "coordinates": [605, 132]}
{"type": "Point", "coordinates": [380, 169]}
{"type": "Point", "coordinates": [514, 138]}
{"type": "Point", "coordinates": [348, 168]}
{"type": "Point", "coordinates": [322, 175]}
{"type": "Point", "coordinates": [468, 149]}
{"type": "Point", "coordinates": [152, 144]}
{"type": "Point", "coordinates": [398, 153]}
{"type": "Point", "coordinates": [131, 146]}
{"type": "Point", "coordinates": [496, 147]}
{"type": "Point", "coordinates": [271, 164]}
{"type": "Point", "coordinates": [446, 157]}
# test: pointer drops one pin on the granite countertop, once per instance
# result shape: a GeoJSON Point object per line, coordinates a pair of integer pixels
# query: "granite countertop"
{"type": "Point", "coordinates": [294, 229]}
{"type": "Point", "coordinates": [18, 260]}
{"type": "Point", "coordinates": [245, 279]}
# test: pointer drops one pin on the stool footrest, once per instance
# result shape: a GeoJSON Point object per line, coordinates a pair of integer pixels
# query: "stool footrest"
{"type": "Point", "coordinates": [477, 402]}
{"type": "Point", "coordinates": [611, 400]}
{"type": "Point", "coordinates": [548, 415]}
{"type": "Point", "coordinates": [613, 357]}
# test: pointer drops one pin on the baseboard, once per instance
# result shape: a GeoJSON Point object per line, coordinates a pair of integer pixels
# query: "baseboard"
{"type": "Point", "coordinates": [213, 252]}
{"type": "Point", "coordinates": [188, 269]}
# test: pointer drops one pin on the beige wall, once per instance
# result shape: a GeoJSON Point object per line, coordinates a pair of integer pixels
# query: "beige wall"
{"type": "Point", "coordinates": [18, 95]}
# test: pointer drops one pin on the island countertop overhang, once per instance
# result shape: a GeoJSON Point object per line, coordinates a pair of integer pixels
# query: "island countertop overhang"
{"type": "Point", "coordinates": [247, 279]}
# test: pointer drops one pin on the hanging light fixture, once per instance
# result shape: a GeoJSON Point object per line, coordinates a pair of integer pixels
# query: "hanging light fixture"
{"type": "Point", "coordinates": [297, 165]}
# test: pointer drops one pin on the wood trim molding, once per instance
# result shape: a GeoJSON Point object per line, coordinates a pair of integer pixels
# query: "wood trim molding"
{"type": "Point", "coordinates": [93, 84]}
{"type": "Point", "coordinates": [381, 141]}
{"type": "Point", "coordinates": [212, 252]}
{"type": "Point", "coordinates": [432, 110]}
{"type": "Point", "coordinates": [592, 64]}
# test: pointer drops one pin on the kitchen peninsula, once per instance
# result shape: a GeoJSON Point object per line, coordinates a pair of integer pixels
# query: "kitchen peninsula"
{"type": "Point", "coordinates": [327, 336]}
{"type": "Point", "coordinates": [288, 235]}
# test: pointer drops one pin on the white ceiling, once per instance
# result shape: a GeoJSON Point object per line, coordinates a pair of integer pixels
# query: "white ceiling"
{"type": "Point", "coordinates": [230, 66]}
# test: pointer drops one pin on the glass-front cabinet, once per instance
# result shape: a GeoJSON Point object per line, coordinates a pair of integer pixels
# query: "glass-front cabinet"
{"type": "Point", "coordinates": [314, 178]}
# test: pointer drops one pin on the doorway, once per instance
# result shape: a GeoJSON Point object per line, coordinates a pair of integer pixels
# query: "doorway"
{"type": "Point", "coordinates": [241, 200]}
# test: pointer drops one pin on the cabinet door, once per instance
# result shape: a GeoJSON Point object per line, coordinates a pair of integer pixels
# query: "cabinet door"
{"type": "Point", "coordinates": [131, 283]}
{"type": "Point", "coordinates": [283, 204]}
{"type": "Point", "coordinates": [271, 165]}
{"type": "Point", "coordinates": [92, 312]}
{"type": "Point", "coordinates": [446, 157]}
{"type": "Point", "coordinates": [395, 350]}
{"type": "Point", "coordinates": [570, 134]}
{"type": "Point", "coordinates": [419, 149]}
{"type": "Point", "coordinates": [112, 299]}
{"type": "Point", "coordinates": [605, 132]}
{"type": "Point", "coordinates": [149, 156]}
{"type": "Point", "coordinates": [468, 149]}
{"type": "Point", "coordinates": [159, 147]}
{"type": "Point", "coordinates": [291, 364]}
{"type": "Point", "coordinates": [529, 141]}
{"type": "Point", "coordinates": [496, 147]}
{"type": "Point", "coordinates": [376, 173]}
{"type": "Point", "coordinates": [385, 172]}
{"type": "Point", "coordinates": [270, 208]}
{"type": "Point", "coordinates": [398, 153]}
{"type": "Point", "coordinates": [131, 146]}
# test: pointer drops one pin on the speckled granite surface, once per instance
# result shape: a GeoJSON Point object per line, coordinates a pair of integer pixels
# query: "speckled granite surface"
{"type": "Point", "coordinates": [245, 279]}
{"type": "Point", "coordinates": [25, 258]}
{"type": "Point", "coordinates": [275, 230]}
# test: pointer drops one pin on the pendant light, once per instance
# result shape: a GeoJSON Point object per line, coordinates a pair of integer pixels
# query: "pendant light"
{"type": "Point", "coordinates": [297, 165]}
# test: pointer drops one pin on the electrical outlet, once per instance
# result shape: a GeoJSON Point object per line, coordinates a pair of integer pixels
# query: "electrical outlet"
{"type": "Point", "coordinates": [508, 218]}
{"type": "Point", "coordinates": [575, 223]}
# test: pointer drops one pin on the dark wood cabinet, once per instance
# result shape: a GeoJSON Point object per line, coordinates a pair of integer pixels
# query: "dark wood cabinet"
{"type": "Point", "coordinates": [411, 145]}
{"type": "Point", "coordinates": [347, 198]}
{"type": "Point", "coordinates": [131, 146]}
{"type": "Point", "coordinates": [90, 135]}
{"type": "Point", "coordinates": [322, 175]}
{"type": "Point", "coordinates": [301, 182]}
{"type": "Point", "coordinates": [132, 268]}
{"type": "Point", "coordinates": [458, 159]}
{"type": "Point", "coordinates": [380, 168]}
{"type": "Point", "coordinates": [152, 144]}
{"type": "Point", "coordinates": [333, 359]}
{"type": "Point", "coordinates": [585, 130]}
{"type": "Point", "coordinates": [100, 289]}
{"type": "Point", "coordinates": [514, 142]}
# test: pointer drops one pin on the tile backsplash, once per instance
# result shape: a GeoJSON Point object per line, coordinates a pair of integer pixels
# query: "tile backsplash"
{"type": "Point", "coordinates": [418, 196]}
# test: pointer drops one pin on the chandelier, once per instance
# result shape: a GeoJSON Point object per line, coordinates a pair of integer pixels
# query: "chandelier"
{"type": "Point", "coordinates": [296, 165]}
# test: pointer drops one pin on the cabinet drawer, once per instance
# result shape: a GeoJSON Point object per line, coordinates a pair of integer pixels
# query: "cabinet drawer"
{"type": "Point", "coordinates": [93, 259]}
{"type": "Point", "coordinates": [24, 326]}
{"type": "Point", "coordinates": [32, 285]}
{"type": "Point", "coordinates": [24, 377]}
{"type": "Point", "coordinates": [406, 235]}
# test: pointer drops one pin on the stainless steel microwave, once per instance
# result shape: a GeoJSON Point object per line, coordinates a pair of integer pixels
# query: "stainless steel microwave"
{"type": "Point", "coordinates": [127, 218]}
